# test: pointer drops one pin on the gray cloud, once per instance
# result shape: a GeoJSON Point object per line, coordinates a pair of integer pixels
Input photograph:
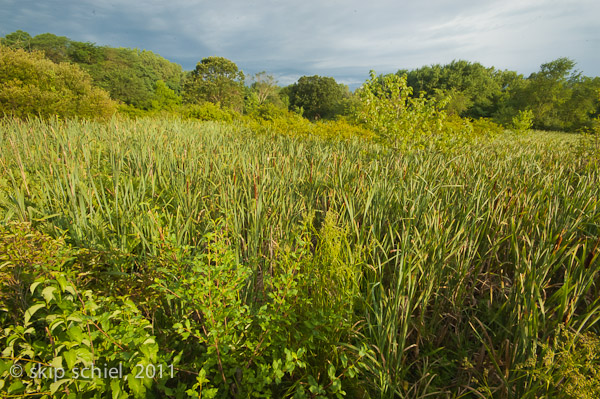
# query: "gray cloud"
{"type": "Point", "coordinates": [344, 39]}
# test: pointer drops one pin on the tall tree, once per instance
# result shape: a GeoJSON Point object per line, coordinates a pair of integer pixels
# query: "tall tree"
{"type": "Point", "coordinates": [559, 96]}
{"type": "Point", "coordinates": [266, 88]}
{"type": "Point", "coordinates": [129, 75]}
{"type": "Point", "coordinates": [32, 85]}
{"type": "Point", "coordinates": [318, 96]}
{"type": "Point", "coordinates": [216, 80]}
{"type": "Point", "coordinates": [18, 39]}
{"type": "Point", "coordinates": [472, 87]}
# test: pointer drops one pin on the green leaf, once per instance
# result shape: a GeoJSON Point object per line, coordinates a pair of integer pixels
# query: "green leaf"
{"type": "Point", "coordinates": [117, 391]}
{"type": "Point", "coordinates": [48, 293]}
{"type": "Point", "coordinates": [55, 385]}
{"type": "Point", "coordinates": [135, 384]}
{"type": "Point", "coordinates": [70, 357]}
{"type": "Point", "coordinates": [56, 363]}
{"type": "Point", "coordinates": [62, 282]}
{"type": "Point", "coordinates": [5, 365]}
{"type": "Point", "coordinates": [331, 372]}
{"type": "Point", "coordinates": [31, 311]}
{"type": "Point", "coordinates": [56, 323]}
{"type": "Point", "coordinates": [33, 286]}
{"type": "Point", "coordinates": [75, 333]}
{"type": "Point", "coordinates": [16, 387]}
{"type": "Point", "coordinates": [85, 355]}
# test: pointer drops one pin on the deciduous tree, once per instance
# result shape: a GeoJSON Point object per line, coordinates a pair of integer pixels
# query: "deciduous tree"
{"type": "Point", "coordinates": [217, 80]}
{"type": "Point", "coordinates": [318, 96]}
{"type": "Point", "coordinates": [33, 85]}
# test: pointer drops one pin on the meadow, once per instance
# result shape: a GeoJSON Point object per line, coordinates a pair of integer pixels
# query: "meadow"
{"type": "Point", "coordinates": [248, 263]}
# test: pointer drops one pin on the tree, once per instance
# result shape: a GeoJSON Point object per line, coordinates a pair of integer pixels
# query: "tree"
{"type": "Point", "coordinates": [33, 85]}
{"type": "Point", "coordinates": [129, 75]}
{"type": "Point", "coordinates": [472, 88]}
{"type": "Point", "coordinates": [216, 80]}
{"type": "Point", "coordinates": [54, 47]}
{"type": "Point", "coordinates": [164, 97]}
{"type": "Point", "coordinates": [318, 97]}
{"type": "Point", "coordinates": [559, 96]}
{"type": "Point", "coordinates": [266, 89]}
{"type": "Point", "coordinates": [18, 39]}
{"type": "Point", "coordinates": [389, 110]}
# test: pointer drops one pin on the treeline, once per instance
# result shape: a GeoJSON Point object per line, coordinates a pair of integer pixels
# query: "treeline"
{"type": "Point", "coordinates": [134, 77]}
{"type": "Point", "coordinates": [557, 97]}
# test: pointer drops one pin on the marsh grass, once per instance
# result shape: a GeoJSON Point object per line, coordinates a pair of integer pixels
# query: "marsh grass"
{"type": "Point", "coordinates": [454, 266]}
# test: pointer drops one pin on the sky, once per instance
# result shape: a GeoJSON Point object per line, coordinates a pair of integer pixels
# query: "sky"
{"type": "Point", "coordinates": [342, 39]}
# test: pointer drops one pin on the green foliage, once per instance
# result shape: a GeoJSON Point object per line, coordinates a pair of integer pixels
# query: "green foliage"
{"type": "Point", "coordinates": [129, 75]}
{"type": "Point", "coordinates": [132, 76]}
{"type": "Point", "coordinates": [18, 39]}
{"type": "Point", "coordinates": [523, 121]}
{"type": "Point", "coordinates": [264, 86]}
{"type": "Point", "coordinates": [56, 330]}
{"type": "Point", "coordinates": [30, 85]}
{"type": "Point", "coordinates": [338, 267]}
{"type": "Point", "coordinates": [388, 109]}
{"type": "Point", "coordinates": [216, 80]}
{"type": "Point", "coordinates": [250, 339]}
{"type": "Point", "coordinates": [208, 112]}
{"type": "Point", "coordinates": [568, 366]}
{"type": "Point", "coordinates": [272, 120]}
{"type": "Point", "coordinates": [473, 89]}
{"type": "Point", "coordinates": [164, 97]}
{"type": "Point", "coordinates": [318, 97]}
{"type": "Point", "coordinates": [65, 333]}
{"type": "Point", "coordinates": [22, 252]}
{"type": "Point", "coordinates": [559, 97]}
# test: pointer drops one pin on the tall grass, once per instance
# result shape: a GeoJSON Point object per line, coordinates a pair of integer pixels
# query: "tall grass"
{"type": "Point", "coordinates": [460, 266]}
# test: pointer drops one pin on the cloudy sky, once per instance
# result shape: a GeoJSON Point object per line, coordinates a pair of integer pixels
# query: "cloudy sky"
{"type": "Point", "coordinates": [343, 39]}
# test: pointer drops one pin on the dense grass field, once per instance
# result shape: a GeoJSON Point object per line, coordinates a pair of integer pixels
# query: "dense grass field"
{"type": "Point", "coordinates": [266, 265]}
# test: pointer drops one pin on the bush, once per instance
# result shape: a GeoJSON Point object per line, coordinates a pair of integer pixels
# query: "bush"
{"type": "Point", "coordinates": [31, 85]}
{"type": "Point", "coordinates": [523, 121]}
{"type": "Point", "coordinates": [213, 333]}
{"type": "Point", "coordinates": [208, 112]}
{"type": "Point", "coordinates": [388, 108]}
{"type": "Point", "coordinates": [569, 365]}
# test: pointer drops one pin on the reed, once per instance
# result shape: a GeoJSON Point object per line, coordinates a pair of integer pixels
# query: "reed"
{"type": "Point", "coordinates": [458, 266]}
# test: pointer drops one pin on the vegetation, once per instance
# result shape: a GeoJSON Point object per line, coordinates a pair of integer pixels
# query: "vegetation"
{"type": "Point", "coordinates": [558, 96]}
{"type": "Point", "coordinates": [318, 97]}
{"type": "Point", "coordinates": [129, 75]}
{"type": "Point", "coordinates": [291, 266]}
{"type": "Point", "coordinates": [219, 240]}
{"type": "Point", "coordinates": [216, 80]}
{"type": "Point", "coordinates": [33, 85]}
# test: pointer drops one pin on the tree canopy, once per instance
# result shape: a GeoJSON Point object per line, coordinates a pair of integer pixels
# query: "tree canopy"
{"type": "Point", "coordinates": [318, 96]}
{"type": "Point", "coordinates": [33, 85]}
{"type": "Point", "coordinates": [472, 87]}
{"type": "Point", "coordinates": [559, 96]}
{"type": "Point", "coordinates": [216, 80]}
{"type": "Point", "coordinates": [129, 75]}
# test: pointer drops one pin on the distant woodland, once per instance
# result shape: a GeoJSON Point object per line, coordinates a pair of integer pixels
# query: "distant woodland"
{"type": "Point", "coordinates": [557, 97]}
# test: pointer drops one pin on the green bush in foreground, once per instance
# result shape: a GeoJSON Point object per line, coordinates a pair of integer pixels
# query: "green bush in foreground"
{"type": "Point", "coordinates": [31, 85]}
{"type": "Point", "coordinates": [211, 335]}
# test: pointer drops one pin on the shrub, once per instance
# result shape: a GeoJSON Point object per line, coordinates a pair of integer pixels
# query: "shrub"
{"type": "Point", "coordinates": [523, 121]}
{"type": "Point", "coordinates": [388, 108]}
{"type": "Point", "coordinates": [569, 366]}
{"type": "Point", "coordinates": [33, 85]}
{"type": "Point", "coordinates": [208, 112]}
